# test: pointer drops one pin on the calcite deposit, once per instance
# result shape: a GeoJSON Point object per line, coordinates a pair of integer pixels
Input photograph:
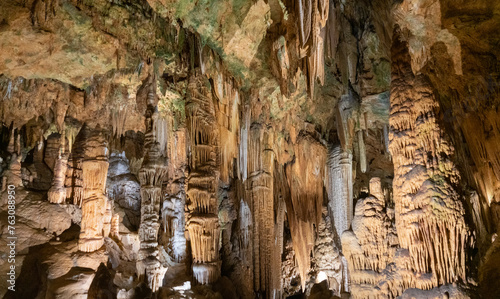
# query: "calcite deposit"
{"type": "Point", "coordinates": [249, 149]}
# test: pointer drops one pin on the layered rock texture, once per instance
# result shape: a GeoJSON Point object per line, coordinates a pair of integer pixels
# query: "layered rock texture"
{"type": "Point", "coordinates": [249, 149]}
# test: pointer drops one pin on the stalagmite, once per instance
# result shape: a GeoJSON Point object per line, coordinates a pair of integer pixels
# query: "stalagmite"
{"type": "Point", "coordinates": [151, 177]}
{"type": "Point", "coordinates": [368, 248]}
{"type": "Point", "coordinates": [327, 260]}
{"type": "Point", "coordinates": [13, 174]}
{"type": "Point", "coordinates": [202, 219]}
{"type": "Point", "coordinates": [94, 201]}
{"type": "Point", "coordinates": [340, 201]}
{"type": "Point", "coordinates": [115, 226]}
{"type": "Point", "coordinates": [429, 211]}
{"type": "Point", "coordinates": [57, 193]}
{"type": "Point", "coordinates": [259, 186]}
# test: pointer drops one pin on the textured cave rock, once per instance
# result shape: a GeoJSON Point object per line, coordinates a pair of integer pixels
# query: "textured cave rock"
{"type": "Point", "coordinates": [250, 149]}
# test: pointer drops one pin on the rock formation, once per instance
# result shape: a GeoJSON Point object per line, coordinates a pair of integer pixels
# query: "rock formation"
{"type": "Point", "coordinates": [151, 177]}
{"type": "Point", "coordinates": [249, 149]}
{"type": "Point", "coordinates": [430, 216]}
{"type": "Point", "coordinates": [96, 215]}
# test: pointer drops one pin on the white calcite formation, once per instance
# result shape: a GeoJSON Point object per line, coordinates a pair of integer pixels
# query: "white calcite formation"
{"type": "Point", "coordinates": [340, 189]}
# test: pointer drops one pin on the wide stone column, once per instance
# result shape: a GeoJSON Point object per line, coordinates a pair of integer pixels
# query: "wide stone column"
{"type": "Point", "coordinates": [96, 211]}
{"type": "Point", "coordinates": [429, 211]}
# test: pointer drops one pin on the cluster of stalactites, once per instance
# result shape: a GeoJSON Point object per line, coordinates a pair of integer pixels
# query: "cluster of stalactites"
{"type": "Point", "coordinates": [202, 126]}
{"type": "Point", "coordinates": [312, 19]}
{"type": "Point", "coordinates": [306, 178]}
{"type": "Point", "coordinates": [429, 213]}
{"type": "Point", "coordinates": [202, 217]}
{"type": "Point", "coordinates": [227, 113]}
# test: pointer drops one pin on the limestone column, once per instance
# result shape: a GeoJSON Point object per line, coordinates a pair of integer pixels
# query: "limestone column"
{"type": "Point", "coordinates": [201, 202]}
{"type": "Point", "coordinates": [151, 177]}
{"type": "Point", "coordinates": [94, 202]}
{"type": "Point", "coordinates": [260, 196]}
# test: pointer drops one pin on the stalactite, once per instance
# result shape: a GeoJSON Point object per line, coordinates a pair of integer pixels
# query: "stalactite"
{"type": "Point", "coordinates": [312, 19]}
{"type": "Point", "coordinates": [345, 122]}
{"type": "Point", "coordinates": [118, 119]}
{"type": "Point", "coordinates": [386, 138]}
{"type": "Point", "coordinates": [161, 133]}
{"type": "Point", "coordinates": [227, 115]}
{"type": "Point", "coordinates": [115, 226]}
{"type": "Point", "coordinates": [305, 20]}
{"type": "Point", "coordinates": [244, 144]}
{"type": "Point", "coordinates": [362, 151]}
{"type": "Point", "coordinates": [245, 226]}
{"type": "Point", "coordinates": [340, 190]}
{"type": "Point", "coordinates": [175, 199]}
{"type": "Point", "coordinates": [202, 218]}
